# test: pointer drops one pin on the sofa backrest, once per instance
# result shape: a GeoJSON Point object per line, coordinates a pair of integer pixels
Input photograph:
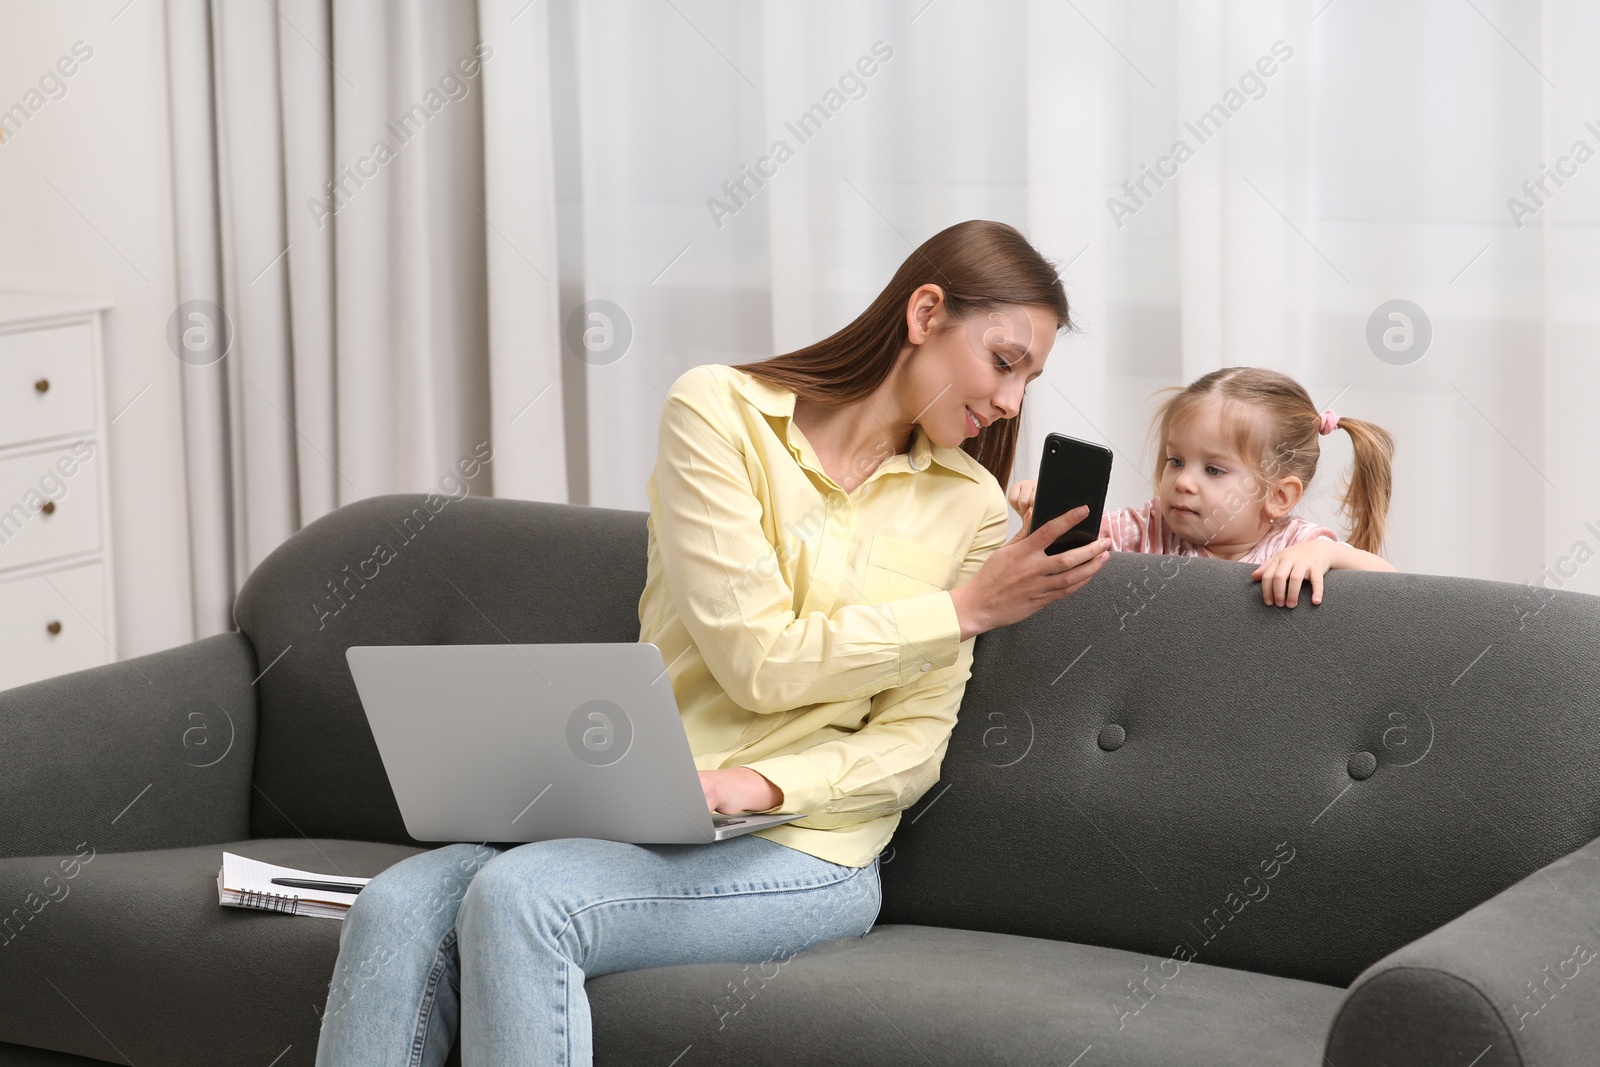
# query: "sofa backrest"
{"type": "Point", "coordinates": [1162, 763]}
{"type": "Point", "coordinates": [410, 570]}
{"type": "Point", "coordinates": [1159, 762]}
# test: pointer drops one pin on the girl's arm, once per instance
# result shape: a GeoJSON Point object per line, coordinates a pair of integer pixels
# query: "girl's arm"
{"type": "Point", "coordinates": [1128, 529]}
{"type": "Point", "coordinates": [1282, 575]}
{"type": "Point", "coordinates": [1350, 558]}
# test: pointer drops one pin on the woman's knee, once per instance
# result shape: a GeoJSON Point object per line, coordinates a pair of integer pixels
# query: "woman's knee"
{"type": "Point", "coordinates": [421, 891]}
{"type": "Point", "coordinates": [537, 887]}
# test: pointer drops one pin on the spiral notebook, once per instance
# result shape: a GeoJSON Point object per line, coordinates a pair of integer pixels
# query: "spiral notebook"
{"type": "Point", "coordinates": [246, 883]}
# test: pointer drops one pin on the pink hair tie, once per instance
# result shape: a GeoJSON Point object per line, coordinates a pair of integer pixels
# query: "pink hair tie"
{"type": "Point", "coordinates": [1328, 423]}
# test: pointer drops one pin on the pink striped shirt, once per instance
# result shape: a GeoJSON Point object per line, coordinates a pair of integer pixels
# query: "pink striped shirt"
{"type": "Point", "coordinates": [1142, 529]}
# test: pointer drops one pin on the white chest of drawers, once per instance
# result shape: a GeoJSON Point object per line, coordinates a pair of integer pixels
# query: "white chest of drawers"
{"type": "Point", "coordinates": [56, 608]}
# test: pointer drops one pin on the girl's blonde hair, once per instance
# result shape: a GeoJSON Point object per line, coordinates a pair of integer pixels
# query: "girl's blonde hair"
{"type": "Point", "coordinates": [1272, 422]}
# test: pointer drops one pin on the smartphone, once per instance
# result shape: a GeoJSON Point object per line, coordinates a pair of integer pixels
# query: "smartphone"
{"type": "Point", "coordinates": [1071, 473]}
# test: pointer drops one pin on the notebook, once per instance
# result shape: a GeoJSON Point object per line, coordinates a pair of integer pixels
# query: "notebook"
{"type": "Point", "coordinates": [246, 883]}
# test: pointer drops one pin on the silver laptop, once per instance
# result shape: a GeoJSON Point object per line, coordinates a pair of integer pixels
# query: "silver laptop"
{"type": "Point", "coordinates": [518, 743]}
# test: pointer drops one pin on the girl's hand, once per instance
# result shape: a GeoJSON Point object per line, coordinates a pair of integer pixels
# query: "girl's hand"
{"type": "Point", "coordinates": [736, 789]}
{"type": "Point", "coordinates": [1280, 576]}
{"type": "Point", "coordinates": [1020, 577]}
{"type": "Point", "coordinates": [1020, 496]}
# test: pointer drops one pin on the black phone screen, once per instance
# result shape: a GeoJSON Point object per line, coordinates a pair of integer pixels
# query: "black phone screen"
{"type": "Point", "coordinates": [1071, 473]}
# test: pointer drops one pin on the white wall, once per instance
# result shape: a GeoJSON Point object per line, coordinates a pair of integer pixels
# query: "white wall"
{"type": "Point", "coordinates": [86, 193]}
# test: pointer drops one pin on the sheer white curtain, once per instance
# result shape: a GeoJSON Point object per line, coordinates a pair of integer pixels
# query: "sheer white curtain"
{"type": "Point", "coordinates": [1351, 154]}
{"type": "Point", "coordinates": [750, 175]}
{"type": "Point", "coordinates": [719, 180]}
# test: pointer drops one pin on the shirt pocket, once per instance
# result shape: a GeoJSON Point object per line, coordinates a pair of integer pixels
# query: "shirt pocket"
{"type": "Point", "coordinates": [898, 568]}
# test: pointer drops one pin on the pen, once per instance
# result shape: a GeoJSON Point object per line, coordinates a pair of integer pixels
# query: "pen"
{"type": "Point", "coordinates": [301, 883]}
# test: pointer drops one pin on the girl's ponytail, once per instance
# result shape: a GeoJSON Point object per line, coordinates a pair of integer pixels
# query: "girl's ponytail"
{"type": "Point", "coordinates": [1371, 482]}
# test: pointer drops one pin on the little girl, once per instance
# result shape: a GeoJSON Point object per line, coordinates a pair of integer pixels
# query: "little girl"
{"type": "Point", "coordinates": [1237, 450]}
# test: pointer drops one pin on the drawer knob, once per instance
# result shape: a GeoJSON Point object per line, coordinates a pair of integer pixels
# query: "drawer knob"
{"type": "Point", "coordinates": [48, 507]}
{"type": "Point", "coordinates": [42, 385]}
{"type": "Point", "coordinates": [54, 627]}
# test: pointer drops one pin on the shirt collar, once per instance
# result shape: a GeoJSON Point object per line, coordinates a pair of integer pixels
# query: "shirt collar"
{"type": "Point", "coordinates": [778, 402]}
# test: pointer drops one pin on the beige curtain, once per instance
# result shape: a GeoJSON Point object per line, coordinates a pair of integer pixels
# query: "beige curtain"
{"type": "Point", "coordinates": [389, 278]}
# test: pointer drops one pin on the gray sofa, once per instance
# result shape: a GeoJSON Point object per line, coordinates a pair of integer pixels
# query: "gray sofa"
{"type": "Point", "coordinates": [1174, 826]}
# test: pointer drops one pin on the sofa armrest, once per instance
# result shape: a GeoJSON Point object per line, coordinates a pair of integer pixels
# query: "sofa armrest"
{"type": "Point", "coordinates": [1514, 981]}
{"type": "Point", "coordinates": [153, 752]}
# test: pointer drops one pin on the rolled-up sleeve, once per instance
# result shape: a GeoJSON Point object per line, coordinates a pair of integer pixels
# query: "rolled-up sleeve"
{"type": "Point", "coordinates": [892, 760]}
{"type": "Point", "coordinates": [736, 604]}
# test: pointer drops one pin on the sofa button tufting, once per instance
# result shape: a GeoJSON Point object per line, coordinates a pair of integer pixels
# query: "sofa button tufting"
{"type": "Point", "coordinates": [1361, 766]}
{"type": "Point", "coordinates": [1112, 736]}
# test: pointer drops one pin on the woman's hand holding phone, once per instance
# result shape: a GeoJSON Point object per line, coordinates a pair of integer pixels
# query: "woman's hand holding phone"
{"type": "Point", "coordinates": [1020, 577]}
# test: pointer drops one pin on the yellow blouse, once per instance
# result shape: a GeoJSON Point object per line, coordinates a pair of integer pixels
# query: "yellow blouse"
{"type": "Point", "coordinates": [808, 632]}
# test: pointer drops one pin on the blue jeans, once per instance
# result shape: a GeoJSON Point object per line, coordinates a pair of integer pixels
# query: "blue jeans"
{"type": "Point", "coordinates": [498, 942]}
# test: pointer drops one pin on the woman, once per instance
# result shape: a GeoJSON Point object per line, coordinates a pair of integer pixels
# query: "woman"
{"type": "Point", "coordinates": [825, 541]}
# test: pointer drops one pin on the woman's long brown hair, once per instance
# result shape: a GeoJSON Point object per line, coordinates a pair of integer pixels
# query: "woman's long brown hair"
{"type": "Point", "coordinates": [980, 266]}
